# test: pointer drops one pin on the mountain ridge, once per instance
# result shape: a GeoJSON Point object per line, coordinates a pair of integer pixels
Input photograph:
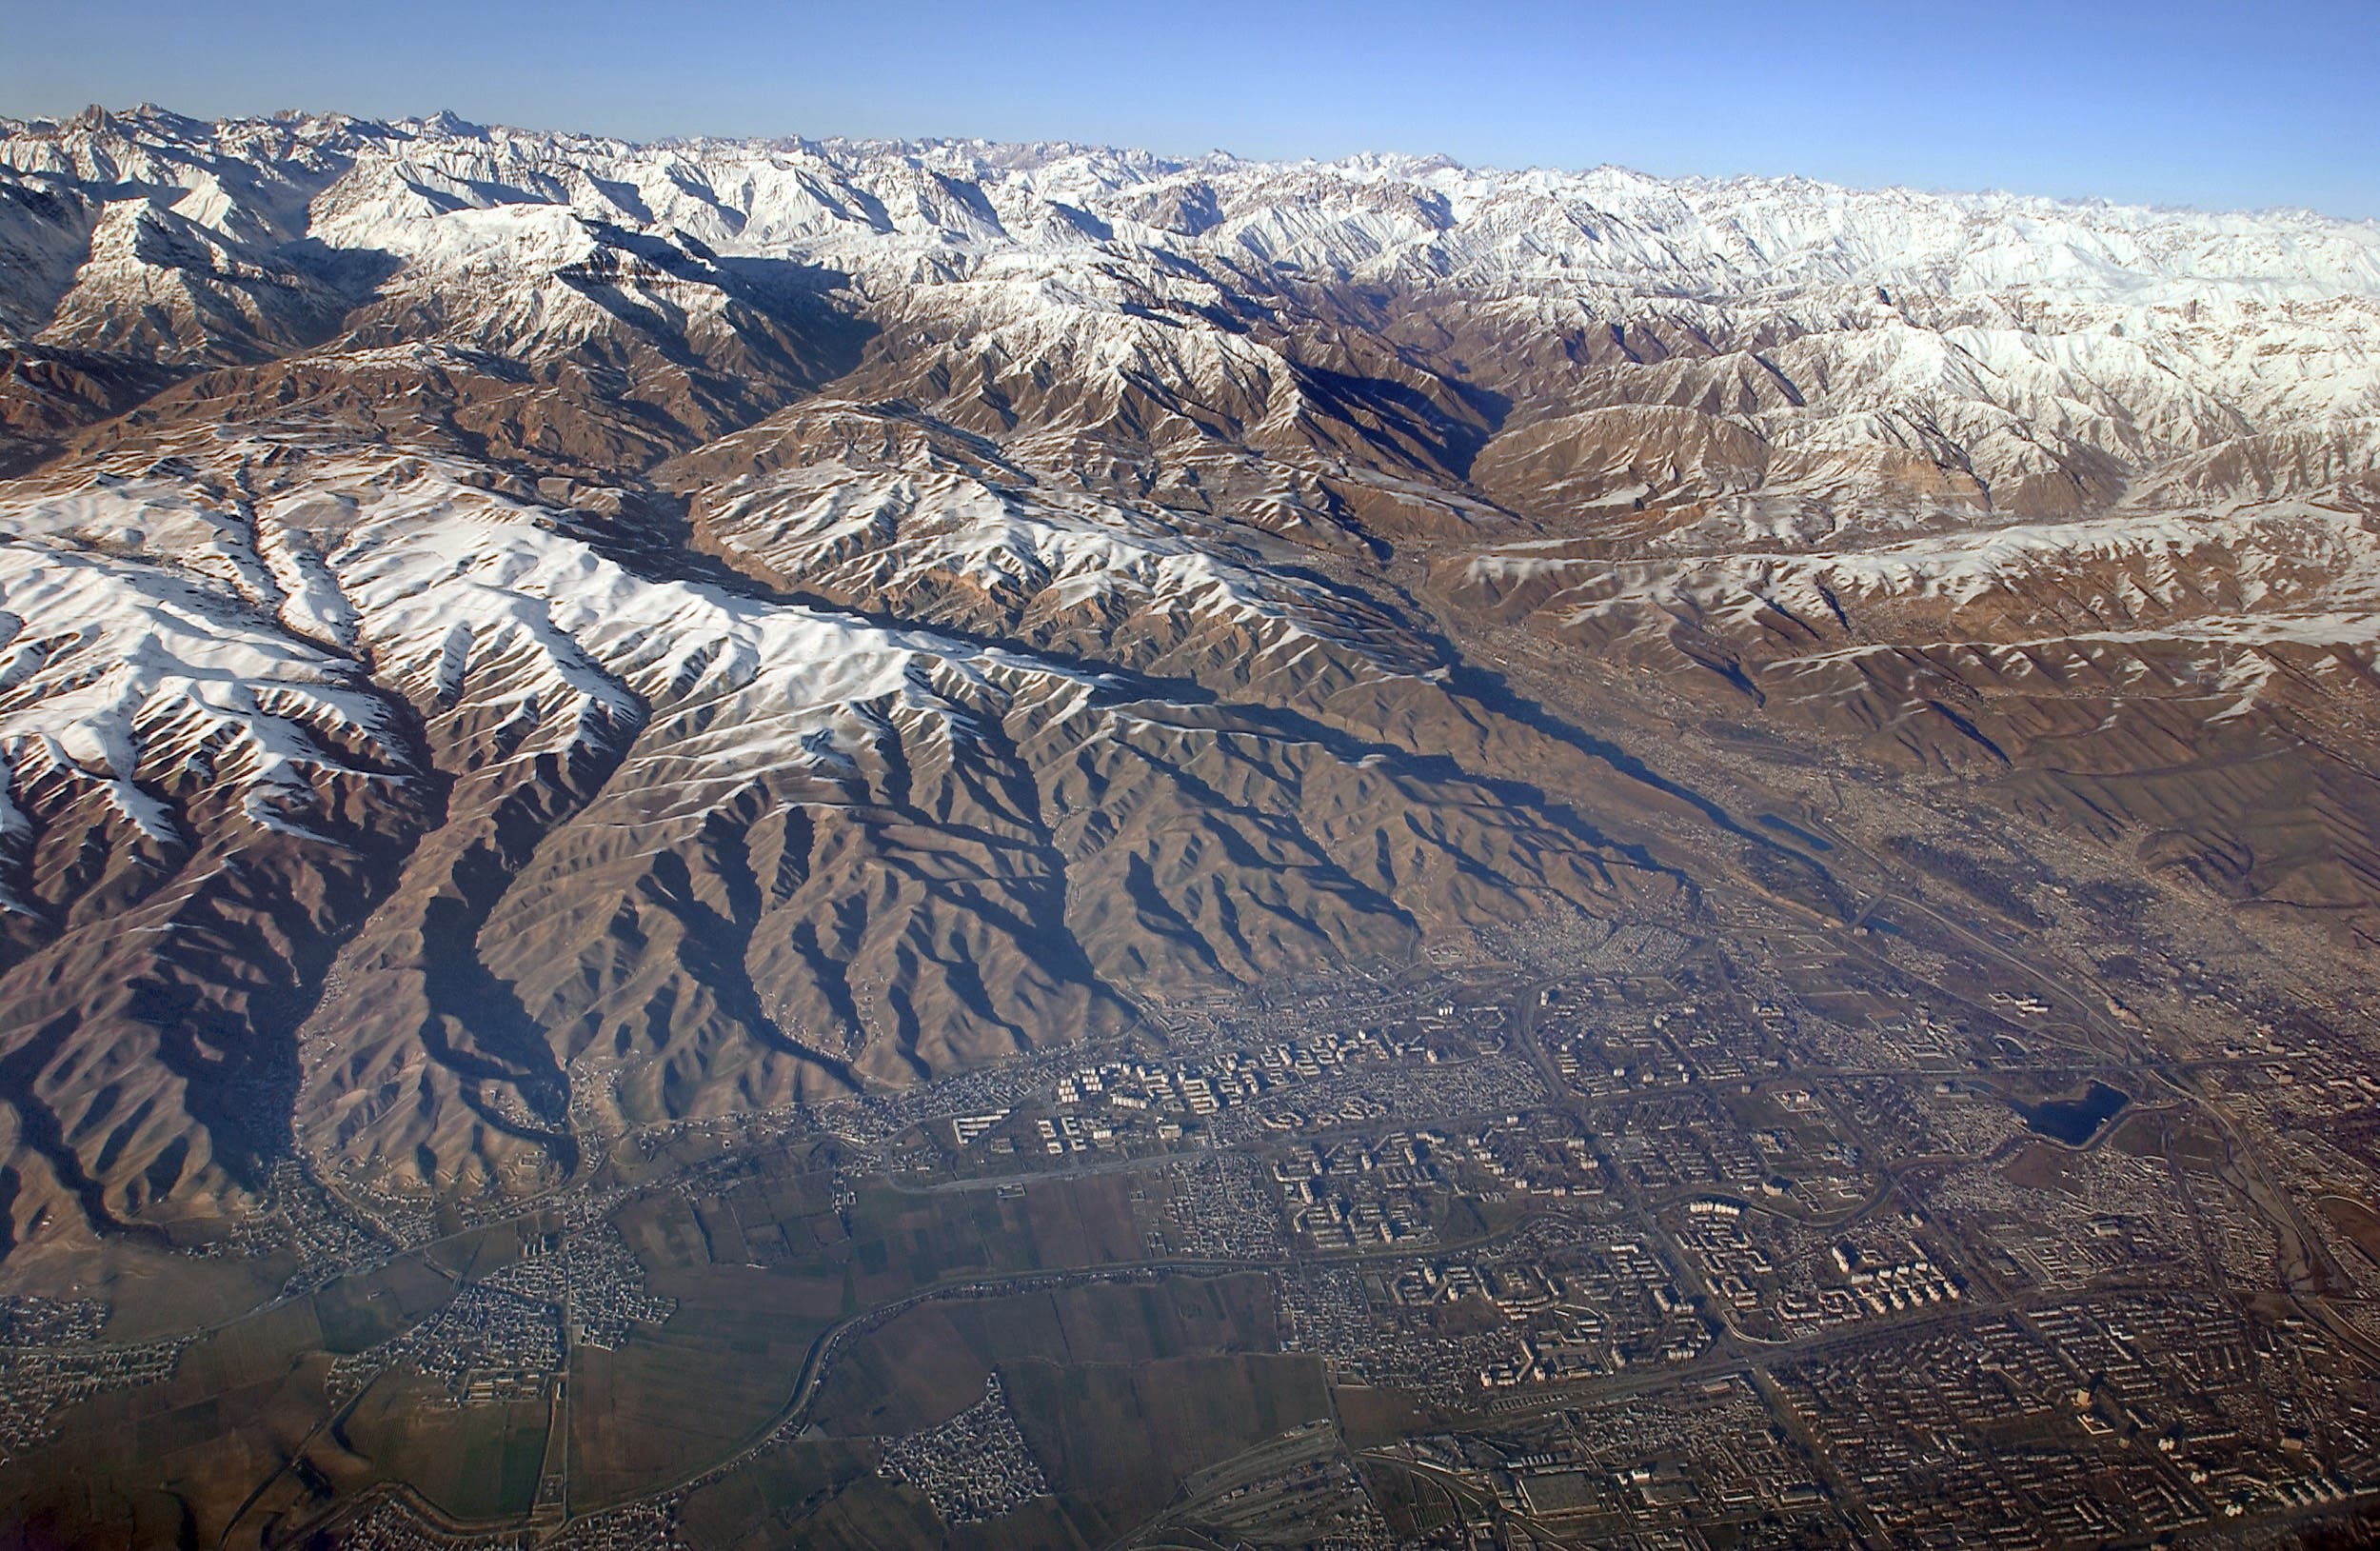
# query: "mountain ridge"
{"type": "Point", "coordinates": [512, 639]}
{"type": "Point", "coordinates": [451, 125]}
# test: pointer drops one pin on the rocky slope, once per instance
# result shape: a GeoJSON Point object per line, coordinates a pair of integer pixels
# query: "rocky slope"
{"type": "Point", "coordinates": [508, 638]}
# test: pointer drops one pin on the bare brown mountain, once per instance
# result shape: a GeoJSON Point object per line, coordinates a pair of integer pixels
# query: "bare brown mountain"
{"type": "Point", "coordinates": [508, 640]}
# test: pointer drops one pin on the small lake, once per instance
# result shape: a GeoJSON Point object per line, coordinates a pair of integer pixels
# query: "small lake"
{"type": "Point", "coordinates": [2076, 1120]}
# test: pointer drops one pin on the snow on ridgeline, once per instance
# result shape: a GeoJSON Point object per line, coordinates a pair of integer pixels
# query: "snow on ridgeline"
{"type": "Point", "coordinates": [150, 634]}
{"type": "Point", "coordinates": [121, 679]}
{"type": "Point", "coordinates": [215, 612]}
{"type": "Point", "coordinates": [2020, 339]}
{"type": "Point", "coordinates": [460, 591]}
{"type": "Point", "coordinates": [1047, 564]}
{"type": "Point", "coordinates": [2259, 575]}
{"type": "Point", "coordinates": [356, 183]}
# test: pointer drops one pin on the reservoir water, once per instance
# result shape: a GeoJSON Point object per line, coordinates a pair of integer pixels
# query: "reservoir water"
{"type": "Point", "coordinates": [2076, 1120]}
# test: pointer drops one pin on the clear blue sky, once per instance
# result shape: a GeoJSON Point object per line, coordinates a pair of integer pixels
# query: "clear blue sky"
{"type": "Point", "coordinates": [2201, 102]}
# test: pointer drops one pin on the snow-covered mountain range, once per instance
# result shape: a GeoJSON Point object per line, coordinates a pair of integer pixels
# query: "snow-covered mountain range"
{"type": "Point", "coordinates": [507, 639]}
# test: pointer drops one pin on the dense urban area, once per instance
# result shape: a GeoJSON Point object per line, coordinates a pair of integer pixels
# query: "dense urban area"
{"type": "Point", "coordinates": [1606, 1234]}
{"type": "Point", "coordinates": [716, 845]}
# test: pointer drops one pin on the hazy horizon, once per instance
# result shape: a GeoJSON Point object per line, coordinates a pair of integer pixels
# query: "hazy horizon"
{"type": "Point", "coordinates": [1187, 157]}
{"type": "Point", "coordinates": [2210, 106]}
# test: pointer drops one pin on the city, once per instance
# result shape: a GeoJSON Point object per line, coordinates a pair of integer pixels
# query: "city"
{"type": "Point", "coordinates": [1608, 1232]}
